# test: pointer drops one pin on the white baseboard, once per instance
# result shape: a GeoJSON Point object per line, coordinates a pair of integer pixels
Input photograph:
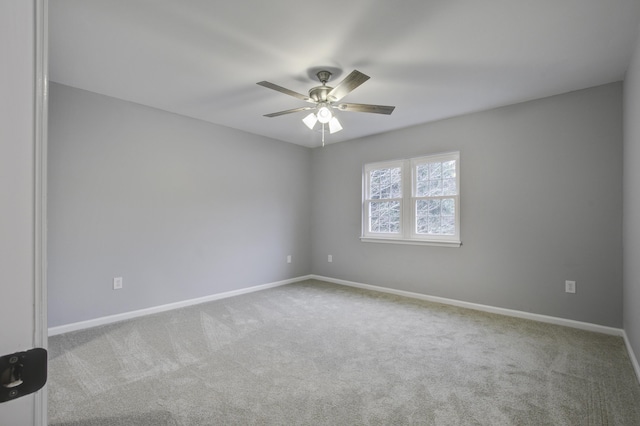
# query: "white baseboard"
{"type": "Point", "coordinates": [478, 307]}
{"type": "Point", "coordinates": [632, 355]}
{"type": "Point", "coordinates": [162, 308]}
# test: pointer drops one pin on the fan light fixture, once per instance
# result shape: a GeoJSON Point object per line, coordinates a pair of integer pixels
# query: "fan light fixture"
{"type": "Point", "coordinates": [324, 116]}
{"type": "Point", "coordinates": [310, 120]}
{"type": "Point", "coordinates": [334, 125]}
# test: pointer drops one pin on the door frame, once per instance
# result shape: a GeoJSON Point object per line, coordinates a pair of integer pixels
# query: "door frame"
{"type": "Point", "coordinates": [40, 125]}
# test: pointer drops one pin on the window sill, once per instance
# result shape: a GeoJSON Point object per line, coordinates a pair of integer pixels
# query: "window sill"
{"type": "Point", "coordinates": [411, 242]}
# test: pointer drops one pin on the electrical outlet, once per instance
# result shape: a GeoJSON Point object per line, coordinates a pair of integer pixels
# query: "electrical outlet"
{"type": "Point", "coordinates": [117, 283]}
{"type": "Point", "coordinates": [330, 258]}
{"type": "Point", "coordinates": [570, 286]}
{"type": "Point", "coordinates": [289, 259]}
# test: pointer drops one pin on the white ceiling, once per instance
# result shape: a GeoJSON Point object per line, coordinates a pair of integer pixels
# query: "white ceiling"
{"type": "Point", "coordinates": [431, 59]}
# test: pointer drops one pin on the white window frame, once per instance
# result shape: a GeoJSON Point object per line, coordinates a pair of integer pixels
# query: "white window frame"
{"type": "Point", "coordinates": [407, 234]}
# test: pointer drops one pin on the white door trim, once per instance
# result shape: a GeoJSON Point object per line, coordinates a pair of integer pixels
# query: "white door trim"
{"type": "Point", "coordinates": [41, 83]}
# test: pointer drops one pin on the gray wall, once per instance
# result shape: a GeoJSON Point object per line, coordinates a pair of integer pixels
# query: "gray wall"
{"type": "Point", "coordinates": [541, 203]}
{"type": "Point", "coordinates": [178, 207]}
{"type": "Point", "coordinates": [182, 209]}
{"type": "Point", "coordinates": [631, 185]}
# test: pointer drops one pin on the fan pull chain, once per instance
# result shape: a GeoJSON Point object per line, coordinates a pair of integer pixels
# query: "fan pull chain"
{"type": "Point", "coordinates": [323, 135]}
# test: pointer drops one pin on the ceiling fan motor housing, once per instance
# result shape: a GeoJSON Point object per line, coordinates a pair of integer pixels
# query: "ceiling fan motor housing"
{"type": "Point", "coordinates": [319, 94]}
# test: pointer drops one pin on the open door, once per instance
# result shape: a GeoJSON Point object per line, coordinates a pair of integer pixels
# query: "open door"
{"type": "Point", "coordinates": [22, 192]}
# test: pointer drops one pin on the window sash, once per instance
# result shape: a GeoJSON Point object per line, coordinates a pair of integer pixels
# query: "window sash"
{"type": "Point", "coordinates": [369, 200]}
{"type": "Point", "coordinates": [416, 219]}
{"type": "Point", "coordinates": [394, 231]}
{"type": "Point", "coordinates": [441, 183]}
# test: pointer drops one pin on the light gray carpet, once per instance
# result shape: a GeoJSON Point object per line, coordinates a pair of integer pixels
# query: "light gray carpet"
{"type": "Point", "coordinates": [314, 353]}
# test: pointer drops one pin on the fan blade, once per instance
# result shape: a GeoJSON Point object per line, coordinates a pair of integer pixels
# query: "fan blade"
{"type": "Point", "coordinates": [350, 82]}
{"type": "Point", "coordinates": [285, 91]}
{"type": "Point", "coordinates": [378, 109]}
{"type": "Point", "coordinates": [289, 111]}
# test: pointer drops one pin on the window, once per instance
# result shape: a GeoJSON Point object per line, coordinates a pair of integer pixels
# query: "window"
{"type": "Point", "coordinates": [413, 201]}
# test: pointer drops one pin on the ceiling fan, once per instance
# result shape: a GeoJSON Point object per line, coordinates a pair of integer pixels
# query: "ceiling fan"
{"type": "Point", "coordinates": [325, 98]}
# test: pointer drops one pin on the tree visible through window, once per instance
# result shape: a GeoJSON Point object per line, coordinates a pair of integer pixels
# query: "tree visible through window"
{"type": "Point", "coordinates": [385, 197]}
{"type": "Point", "coordinates": [436, 185]}
{"type": "Point", "coordinates": [414, 200]}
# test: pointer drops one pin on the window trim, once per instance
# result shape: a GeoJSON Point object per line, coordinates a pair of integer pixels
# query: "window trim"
{"type": "Point", "coordinates": [407, 234]}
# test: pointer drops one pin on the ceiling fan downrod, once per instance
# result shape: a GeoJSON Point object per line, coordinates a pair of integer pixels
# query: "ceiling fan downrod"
{"type": "Point", "coordinates": [323, 76]}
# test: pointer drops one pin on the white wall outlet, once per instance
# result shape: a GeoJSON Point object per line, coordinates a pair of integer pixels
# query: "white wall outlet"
{"type": "Point", "coordinates": [289, 259]}
{"type": "Point", "coordinates": [570, 286]}
{"type": "Point", "coordinates": [329, 258]}
{"type": "Point", "coordinates": [117, 283]}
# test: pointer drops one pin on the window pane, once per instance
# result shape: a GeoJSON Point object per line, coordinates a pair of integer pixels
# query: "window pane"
{"type": "Point", "coordinates": [421, 189]}
{"type": "Point", "coordinates": [436, 179]}
{"type": "Point", "coordinates": [421, 225]}
{"type": "Point", "coordinates": [422, 214]}
{"type": "Point", "coordinates": [449, 187]}
{"type": "Point", "coordinates": [395, 182]}
{"type": "Point", "coordinates": [448, 225]}
{"type": "Point", "coordinates": [422, 179]}
{"type": "Point", "coordinates": [435, 171]}
{"type": "Point", "coordinates": [385, 183]}
{"type": "Point", "coordinates": [436, 217]}
{"type": "Point", "coordinates": [422, 172]}
{"type": "Point", "coordinates": [433, 207]}
{"type": "Point", "coordinates": [374, 184]}
{"type": "Point", "coordinates": [435, 188]}
{"type": "Point", "coordinates": [434, 224]}
{"type": "Point", "coordinates": [448, 207]}
{"type": "Point", "coordinates": [384, 216]}
{"type": "Point", "coordinates": [449, 169]}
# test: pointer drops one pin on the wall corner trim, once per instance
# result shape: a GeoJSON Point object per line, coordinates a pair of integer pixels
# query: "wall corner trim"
{"type": "Point", "coordinates": [67, 328]}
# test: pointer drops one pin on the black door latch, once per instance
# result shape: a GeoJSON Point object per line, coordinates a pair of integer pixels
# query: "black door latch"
{"type": "Point", "coordinates": [22, 373]}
